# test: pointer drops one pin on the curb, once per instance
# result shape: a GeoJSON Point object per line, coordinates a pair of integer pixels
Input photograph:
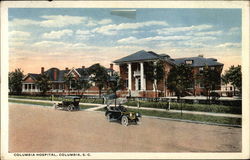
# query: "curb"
{"type": "Point", "coordinates": [197, 122]}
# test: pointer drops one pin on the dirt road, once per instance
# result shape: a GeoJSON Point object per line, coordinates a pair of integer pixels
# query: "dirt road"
{"type": "Point", "coordinates": [40, 129]}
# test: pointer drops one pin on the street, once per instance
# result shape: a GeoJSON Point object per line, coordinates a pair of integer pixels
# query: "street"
{"type": "Point", "coordinates": [43, 129]}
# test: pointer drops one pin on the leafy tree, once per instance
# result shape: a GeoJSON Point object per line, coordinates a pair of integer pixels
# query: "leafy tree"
{"type": "Point", "coordinates": [70, 81]}
{"type": "Point", "coordinates": [211, 79]}
{"type": "Point", "coordinates": [234, 76]}
{"type": "Point", "coordinates": [115, 83]}
{"type": "Point", "coordinates": [43, 83]}
{"type": "Point", "coordinates": [15, 81]}
{"type": "Point", "coordinates": [98, 75]}
{"type": "Point", "coordinates": [82, 84]}
{"type": "Point", "coordinates": [179, 79]}
{"type": "Point", "coordinates": [155, 71]}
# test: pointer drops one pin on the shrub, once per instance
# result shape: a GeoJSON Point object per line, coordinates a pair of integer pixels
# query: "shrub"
{"type": "Point", "coordinates": [190, 107]}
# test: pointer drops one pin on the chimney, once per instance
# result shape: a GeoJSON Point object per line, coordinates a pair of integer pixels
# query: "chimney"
{"type": "Point", "coordinates": [66, 68]}
{"type": "Point", "coordinates": [111, 66]}
{"type": "Point", "coordinates": [201, 55]}
{"type": "Point", "coordinates": [42, 70]}
{"type": "Point", "coordinates": [55, 74]}
{"type": "Point", "coordinates": [83, 67]}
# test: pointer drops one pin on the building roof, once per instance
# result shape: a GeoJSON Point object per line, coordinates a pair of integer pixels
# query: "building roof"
{"type": "Point", "coordinates": [144, 55]}
{"type": "Point", "coordinates": [60, 74]}
{"type": "Point", "coordinates": [198, 61]}
{"type": "Point", "coordinates": [139, 56]}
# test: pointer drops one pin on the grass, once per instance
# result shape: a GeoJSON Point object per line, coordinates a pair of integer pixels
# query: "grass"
{"type": "Point", "coordinates": [83, 107]}
{"type": "Point", "coordinates": [48, 98]}
{"type": "Point", "coordinates": [190, 107]}
{"type": "Point", "coordinates": [184, 116]}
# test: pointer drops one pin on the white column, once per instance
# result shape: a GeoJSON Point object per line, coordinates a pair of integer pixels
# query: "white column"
{"type": "Point", "coordinates": [129, 77]}
{"type": "Point", "coordinates": [23, 88]}
{"type": "Point", "coordinates": [155, 81]}
{"type": "Point", "coordinates": [142, 76]}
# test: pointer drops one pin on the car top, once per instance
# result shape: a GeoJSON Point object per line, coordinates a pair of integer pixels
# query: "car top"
{"type": "Point", "coordinates": [72, 97]}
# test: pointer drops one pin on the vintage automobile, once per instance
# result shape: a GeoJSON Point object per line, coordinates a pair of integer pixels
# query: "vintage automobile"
{"type": "Point", "coordinates": [121, 114]}
{"type": "Point", "coordinates": [69, 103]}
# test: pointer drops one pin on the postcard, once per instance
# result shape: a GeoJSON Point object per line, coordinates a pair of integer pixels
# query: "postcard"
{"type": "Point", "coordinates": [125, 80]}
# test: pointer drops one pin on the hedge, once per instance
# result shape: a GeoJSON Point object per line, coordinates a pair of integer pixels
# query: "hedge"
{"type": "Point", "coordinates": [190, 107]}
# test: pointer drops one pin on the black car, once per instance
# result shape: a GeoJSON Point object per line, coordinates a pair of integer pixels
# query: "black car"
{"type": "Point", "coordinates": [69, 103]}
{"type": "Point", "coordinates": [120, 113]}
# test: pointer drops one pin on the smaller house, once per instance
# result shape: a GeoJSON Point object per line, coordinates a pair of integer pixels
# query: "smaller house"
{"type": "Point", "coordinates": [57, 79]}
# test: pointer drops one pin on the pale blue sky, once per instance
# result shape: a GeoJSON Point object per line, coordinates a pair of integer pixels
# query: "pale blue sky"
{"type": "Point", "coordinates": [87, 36]}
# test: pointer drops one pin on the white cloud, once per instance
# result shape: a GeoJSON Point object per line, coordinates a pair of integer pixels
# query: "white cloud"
{"type": "Point", "coordinates": [184, 29]}
{"type": "Point", "coordinates": [84, 34]}
{"type": "Point", "coordinates": [113, 28]}
{"type": "Point", "coordinates": [91, 22]}
{"type": "Point", "coordinates": [61, 20]}
{"type": "Point", "coordinates": [18, 36]}
{"type": "Point", "coordinates": [229, 45]}
{"type": "Point", "coordinates": [134, 40]}
{"type": "Point", "coordinates": [234, 30]}
{"type": "Point", "coordinates": [50, 21]}
{"type": "Point", "coordinates": [209, 33]}
{"type": "Point", "coordinates": [22, 22]}
{"type": "Point", "coordinates": [57, 34]}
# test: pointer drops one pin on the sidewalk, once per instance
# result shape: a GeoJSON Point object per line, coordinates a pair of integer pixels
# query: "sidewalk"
{"type": "Point", "coordinates": [144, 108]}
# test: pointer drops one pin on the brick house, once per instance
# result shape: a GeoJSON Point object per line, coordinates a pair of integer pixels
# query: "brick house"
{"type": "Point", "coordinates": [57, 79]}
{"type": "Point", "coordinates": [133, 70]}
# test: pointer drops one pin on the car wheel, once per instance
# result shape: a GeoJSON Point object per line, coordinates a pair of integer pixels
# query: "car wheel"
{"type": "Point", "coordinates": [55, 106]}
{"type": "Point", "coordinates": [124, 120]}
{"type": "Point", "coordinates": [138, 121]}
{"type": "Point", "coordinates": [70, 107]}
{"type": "Point", "coordinates": [108, 116]}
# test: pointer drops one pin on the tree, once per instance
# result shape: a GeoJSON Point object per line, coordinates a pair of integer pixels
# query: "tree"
{"type": "Point", "coordinates": [211, 79]}
{"type": "Point", "coordinates": [234, 76]}
{"type": "Point", "coordinates": [15, 81]}
{"type": "Point", "coordinates": [115, 83]}
{"type": "Point", "coordinates": [43, 83]}
{"type": "Point", "coordinates": [70, 81]}
{"type": "Point", "coordinates": [82, 84]}
{"type": "Point", "coordinates": [179, 79]}
{"type": "Point", "coordinates": [98, 75]}
{"type": "Point", "coordinates": [155, 72]}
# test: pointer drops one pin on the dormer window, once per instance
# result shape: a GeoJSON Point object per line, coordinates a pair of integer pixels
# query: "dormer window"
{"type": "Point", "coordinates": [189, 62]}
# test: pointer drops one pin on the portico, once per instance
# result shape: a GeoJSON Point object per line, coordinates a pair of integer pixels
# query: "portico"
{"type": "Point", "coordinates": [139, 77]}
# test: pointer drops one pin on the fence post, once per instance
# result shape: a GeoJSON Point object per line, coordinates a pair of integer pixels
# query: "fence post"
{"type": "Point", "coordinates": [169, 103]}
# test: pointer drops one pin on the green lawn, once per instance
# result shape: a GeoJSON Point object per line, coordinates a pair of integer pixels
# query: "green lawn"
{"type": "Point", "coordinates": [184, 116]}
{"type": "Point", "coordinates": [189, 107]}
{"type": "Point", "coordinates": [46, 104]}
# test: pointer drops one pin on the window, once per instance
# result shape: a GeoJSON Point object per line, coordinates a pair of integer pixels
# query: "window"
{"type": "Point", "coordinates": [189, 61]}
{"type": "Point", "coordinates": [201, 69]}
{"type": "Point", "coordinates": [212, 68]}
{"type": "Point", "coordinates": [126, 83]}
{"type": "Point", "coordinates": [26, 86]}
{"type": "Point", "coordinates": [33, 86]}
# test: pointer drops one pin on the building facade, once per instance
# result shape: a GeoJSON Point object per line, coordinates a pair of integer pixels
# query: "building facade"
{"type": "Point", "coordinates": [58, 83]}
{"type": "Point", "coordinates": [134, 68]}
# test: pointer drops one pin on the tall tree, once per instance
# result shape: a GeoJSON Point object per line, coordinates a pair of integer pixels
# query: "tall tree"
{"type": "Point", "coordinates": [82, 84]}
{"type": "Point", "coordinates": [115, 83]}
{"type": "Point", "coordinates": [43, 83]}
{"type": "Point", "coordinates": [211, 79]}
{"type": "Point", "coordinates": [15, 81]}
{"type": "Point", "coordinates": [98, 75]}
{"type": "Point", "coordinates": [70, 81]}
{"type": "Point", "coordinates": [179, 79]}
{"type": "Point", "coordinates": [155, 72]}
{"type": "Point", "coordinates": [234, 76]}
